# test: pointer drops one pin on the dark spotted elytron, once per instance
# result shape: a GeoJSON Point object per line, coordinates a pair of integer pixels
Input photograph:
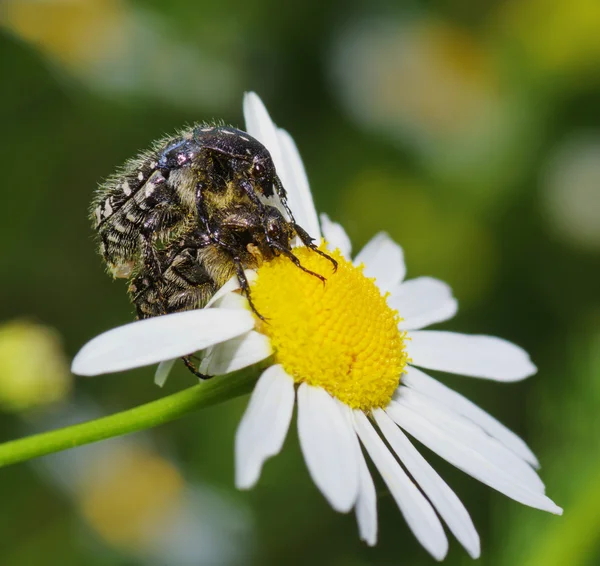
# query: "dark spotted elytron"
{"type": "Point", "coordinates": [182, 218]}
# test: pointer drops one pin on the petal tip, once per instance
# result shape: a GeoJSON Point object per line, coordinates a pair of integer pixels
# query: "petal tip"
{"type": "Point", "coordinates": [82, 366]}
{"type": "Point", "coordinates": [474, 549]}
{"type": "Point", "coordinates": [532, 369]}
{"type": "Point", "coordinates": [528, 369]}
{"type": "Point", "coordinates": [247, 473]}
{"type": "Point", "coordinates": [245, 483]}
{"type": "Point", "coordinates": [341, 506]}
{"type": "Point", "coordinates": [369, 540]}
{"type": "Point", "coordinates": [250, 97]}
{"type": "Point", "coordinates": [440, 553]}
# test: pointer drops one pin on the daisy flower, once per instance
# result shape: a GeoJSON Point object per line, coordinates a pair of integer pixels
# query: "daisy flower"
{"type": "Point", "coordinates": [347, 352]}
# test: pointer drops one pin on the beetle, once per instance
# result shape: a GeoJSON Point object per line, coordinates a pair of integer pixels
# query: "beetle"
{"type": "Point", "coordinates": [197, 208]}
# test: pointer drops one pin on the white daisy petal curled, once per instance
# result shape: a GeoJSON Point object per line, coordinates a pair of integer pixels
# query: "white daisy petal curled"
{"type": "Point", "coordinates": [425, 384]}
{"type": "Point", "coordinates": [445, 501]}
{"type": "Point", "coordinates": [153, 340]}
{"type": "Point", "coordinates": [423, 301]}
{"type": "Point", "coordinates": [336, 236]}
{"type": "Point", "coordinates": [235, 354]}
{"type": "Point", "coordinates": [487, 357]}
{"type": "Point", "coordinates": [417, 511]}
{"type": "Point", "coordinates": [466, 458]}
{"type": "Point", "coordinates": [384, 260]}
{"type": "Point", "coordinates": [232, 301]}
{"type": "Point", "coordinates": [229, 287]}
{"type": "Point", "coordinates": [327, 443]}
{"type": "Point", "coordinates": [264, 426]}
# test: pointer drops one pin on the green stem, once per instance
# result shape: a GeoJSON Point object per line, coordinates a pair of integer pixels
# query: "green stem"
{"type": "Point", "coordinates": [211, 392]}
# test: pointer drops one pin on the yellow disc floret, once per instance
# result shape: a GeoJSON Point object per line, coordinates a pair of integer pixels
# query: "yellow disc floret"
{"type": "Point", "coordinates": [339, 335]}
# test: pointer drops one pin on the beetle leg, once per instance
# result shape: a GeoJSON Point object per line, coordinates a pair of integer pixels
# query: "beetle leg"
{"type": "Point", "coordinates": [190, 365]}
{"type": "Point", "coordinates": [309, 243]}
{"type": "Point", "coordinates": [247, 187]}
{"type": "Point", "coordinates": [231, 250]}
{"type": "Point", "coordinates": [287, 253]}
{"type": "Point", "coordinates": [302, 233]}
{"type": "Point", "coordinates": [246, 286]}
{"type": "Point", "coordinates": [200, 210]}
{"type": "Point", "coordinates": [282, 194]}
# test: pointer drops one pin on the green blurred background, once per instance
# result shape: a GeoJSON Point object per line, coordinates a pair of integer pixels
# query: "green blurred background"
{"type": "Point", "coordinates": [467, 129]}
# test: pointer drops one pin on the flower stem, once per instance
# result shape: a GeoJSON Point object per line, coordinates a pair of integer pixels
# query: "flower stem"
{"type": "Point", "coordinates": [211, 392]}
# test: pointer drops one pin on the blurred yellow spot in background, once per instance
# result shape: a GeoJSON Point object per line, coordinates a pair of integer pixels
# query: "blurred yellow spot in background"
{"type": "Point", "coordinates": [33, 368]}
{"type": "Point", "coordinates": [117, 47]}
{"type": "Point", "coordinates": [557, 36]}
{"type": "Point", "coordinates": [424, 79]}
{"type": "Point", "coordinates": [74, 32]}
{"type": "Point", "coordinates": [443, 83]}
{"type": "Point", "coordinates": [439, 89]}
{"type": "Point", "coordinates": [129, 499]}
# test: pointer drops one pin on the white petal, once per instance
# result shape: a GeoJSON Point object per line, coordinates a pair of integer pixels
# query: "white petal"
{"type": "Point", "coordinates": [287, 162]}
{"type": "Point", "coordinates": [384, 260]}
{"type": "Point", "coordinates": [260, 126]}
{"type": "Point", "coordinates": [417, 511]}
{"type": "Point", "coordinates": [434, 487]}
{"type": "Point", "coordinates": [425, 384]}
{"type": "Point", "coordinates": [237, 353]}
{"type": "Point", "coordinates": [153, 340]}
{"type": "Point", "coordinates": [296, 184]}
{"type": "Point", "coordinates": [264, 425]}
{"type": "Point", "coordinates": [232, 285]}
{"type": "Point", "coordinates": [229, 287]}
{"type": "Point", "coordinates": [366, 502]}
{"type": "Point", "coordinates": [328, 446]}
{"type": "Point", "coordinates": [488, 357]}
{"type": "Point", "coordinates": [232, 301]}
{"type": "Point", "coordinates": [472, 436]}
{"type": "Point", "coordinates": [423, 301]}
{"type": "Point", "coordinates": [336, 236]}
{"type": "Point", "coordinates": [465, 458]}
{"type": "Point", "coordinates": [162, 372]}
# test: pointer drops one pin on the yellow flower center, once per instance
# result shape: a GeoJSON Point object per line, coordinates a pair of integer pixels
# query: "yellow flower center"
{"type": "Point", "coordinates": [339, 335]}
